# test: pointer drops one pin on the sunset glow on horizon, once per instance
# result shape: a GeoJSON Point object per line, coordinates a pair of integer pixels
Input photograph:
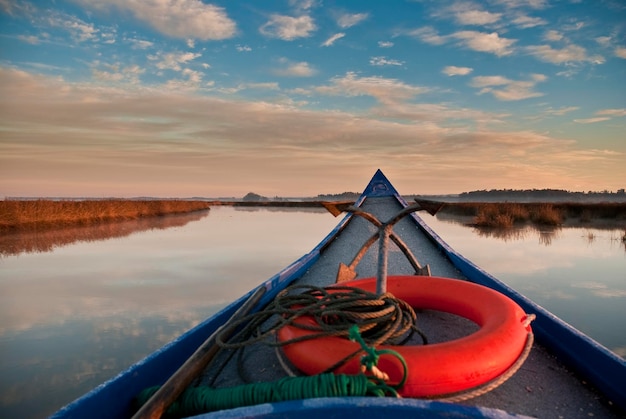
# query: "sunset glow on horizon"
{"type": "Point", "coordinates": [298, 98]}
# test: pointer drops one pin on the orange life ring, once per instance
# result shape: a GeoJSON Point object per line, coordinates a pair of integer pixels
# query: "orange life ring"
{"type": "Point", "coordinates": [434, 369]}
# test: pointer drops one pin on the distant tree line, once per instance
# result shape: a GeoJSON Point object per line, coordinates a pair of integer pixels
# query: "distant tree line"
{"type": "Point", "coordinates": [344, 196]}
{"type": "Point", "coordinates": [541, 195]}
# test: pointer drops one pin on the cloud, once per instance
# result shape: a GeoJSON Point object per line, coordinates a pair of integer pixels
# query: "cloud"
{"type": "Point", "coordinates": [29, 39]}
{"type": "Point", "coordinates": [515, 4]}
{"type": "Point", "coordinates": [553, 35]}
{"type": "Point", "coordinates": [605, 41]}
{"type": "Point", "coordinates": [139, 43]}
{"type": "Point", "coordinates": [173, 60]}
{"type": "Point", "coordinates": [78, 29]}
{"type": "Point", "coordinates": [485, 42]}
{"type": "Point", "coordinates": [505, 89]}
{"type": "Point", "coordinates": [525, 22]}
{"type": "Point", "coordinates": [243, 48]}
{"type": "Point", "coordinates": [181, 19]}
{"type": "Point", "coordinates": [302, 5]}
{"type": "Point", "coordinates": [602, 115]}
{"type": "Point", "coordinates": [383, 61]}
{"type": "Point", "coordinates": [117, 73]}
{"type": "Point", "coordinates": [347, 20]}
{"type": "Point", "coordinates": [333, 38]}
{"type": "Point", "coordinates": [452, 70]}
{"type": "Point", "coordinates": [591, 120]}
{"type": "Point", "coordinates": [288, 28]}
{"type": "Point", "coordinates": [385, 44]}
{"type": "Point", "coordinates": [429, 35]}
{"type": "Point", "coordinates": [561, 111]}
{"type": "Point", "coordinates": [295, 69]}
{"type": "Point", "coordinates": [568, 54]}
{"type": "Point", "coordinates": [612, 112]}
{"type": "Point", "coordinates": [383, 89]}
{"type": "Point", "coordinates": [478, 41]}
{"type": "Point", "coordinates": [468, 14]}
{"type": "Point", "coordinates": [156, 141]}
{"type": "Point", "coordinates": [620, 52]}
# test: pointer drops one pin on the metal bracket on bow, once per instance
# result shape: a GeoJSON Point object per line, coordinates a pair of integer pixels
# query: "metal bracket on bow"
{"type": "Point", "coordinates": [384, 233]}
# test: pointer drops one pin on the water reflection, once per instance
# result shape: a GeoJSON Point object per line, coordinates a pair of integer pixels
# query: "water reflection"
{"type": "Point", "coordinates": [47, 240]}
{"type": "Point", "coordinates": [546, 234]}
{"type": "Point", "coordinates": [304, 210]}
{"type": "Point", "coordinates": [100, 300]}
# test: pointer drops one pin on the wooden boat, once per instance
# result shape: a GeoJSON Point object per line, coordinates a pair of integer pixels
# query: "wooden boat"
{"type": "Point", "coordinates": [566, 375]}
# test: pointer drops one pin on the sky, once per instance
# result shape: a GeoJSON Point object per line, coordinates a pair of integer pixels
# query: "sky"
{"type": "Point", "coordinates": [212, 98]}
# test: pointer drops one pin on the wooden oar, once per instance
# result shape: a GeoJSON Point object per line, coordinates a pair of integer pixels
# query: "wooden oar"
{"type": "Point", "coordinates": [176, 384]}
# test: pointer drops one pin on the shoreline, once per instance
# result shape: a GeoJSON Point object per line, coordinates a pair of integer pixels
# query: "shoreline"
{"type": "Point", "coordinates": [28, 215]}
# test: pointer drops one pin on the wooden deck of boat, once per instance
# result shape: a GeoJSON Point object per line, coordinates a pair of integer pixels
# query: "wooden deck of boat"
{"type": "Point", "coordinates": [542, 388]}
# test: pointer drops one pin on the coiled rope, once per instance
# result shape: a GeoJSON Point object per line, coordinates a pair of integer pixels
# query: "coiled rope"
{"type": "Point", "coordinates": [356, 314]}
{"type": "Point", "coordinates": [381, 319]}
{"type": "Point", "coordinates": [197, 400]}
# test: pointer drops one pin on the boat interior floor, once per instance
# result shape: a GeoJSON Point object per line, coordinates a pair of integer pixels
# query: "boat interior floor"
{"type": "Point", "coordinates": [543, 387]}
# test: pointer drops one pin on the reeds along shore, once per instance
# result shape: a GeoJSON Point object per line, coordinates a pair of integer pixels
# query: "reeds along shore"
{"type": "Point", "coordinates": [43, 213]}
{"type": "Point", "coordinates": [505, 215]}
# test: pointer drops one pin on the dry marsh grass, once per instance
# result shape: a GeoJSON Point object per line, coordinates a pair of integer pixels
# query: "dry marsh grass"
{"type": "Point", "coordinates": [505, 215]}
{"type": "Point", "coordinates": [23, 214]}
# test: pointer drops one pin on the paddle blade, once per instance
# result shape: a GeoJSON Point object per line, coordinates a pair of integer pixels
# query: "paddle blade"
{"type": "Point", "coordinates": [431, 207]}
{"type": "Point", "coordinates": [336, 208]}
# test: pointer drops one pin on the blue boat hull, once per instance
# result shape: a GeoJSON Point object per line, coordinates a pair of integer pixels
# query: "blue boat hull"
{"type": "Point", "coordinates": [597, 364]}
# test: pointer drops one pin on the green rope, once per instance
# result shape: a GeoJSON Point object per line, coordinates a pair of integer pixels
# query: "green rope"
{"type": "Point", "coordinates": [372, 355]}
{"type": "Point", "coordinates": [197, 400]}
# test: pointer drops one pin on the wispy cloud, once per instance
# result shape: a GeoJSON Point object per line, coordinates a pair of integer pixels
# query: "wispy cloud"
{"type": "Point", "coordinates": [569, 54]}
{"type": "Point", "coordinates": [347, 20]}
{"type": "Point", "coordinates": [603, 115]}
{"type": "Point", "coordinates": [385, 90]}
{"type": "Point", "coordinates": [612, 112]}
{"type": "Point", "coordinates": [505, 89]}
{"type": "Point", "coordinates": [117, 72]}
{"type": "Point", "coordinates": [180, 19]}
{"type": "Point", "coordinates": [561, 111]}
{"type": "Point", "coordinates": [137, 43]}
{"type": "Point", "coordinates": [295, 69]}
{"type": "Point", "coordinates": [524, 21]}
{"type": "Point", "coordinates": [485, 42]}
{"type": "Point", "coordinates": [330, 41]}
{"type": "Point", "coordinates": [288, 28]}
{"type": "Point", "coordinates": [385, 44]}
{"type": "Point", "coordinates": [29, 39]}
{"type": "Point", "coordinates": [471, 14]}
{"type": "Point", "coordinates": [515, 4]}
{"type": "Point", "coordinates": [384, 61]}
{"type": "Point", "coordinates": [553, 35]}
{"type": "Point", "coordinates": [477, 41]}
{"type": "Point", "coordinates": [173, 60]}
{"type": "Point", "coordinates": [591, 120]}
{"type": "Point", "coordinates": [452, 70]}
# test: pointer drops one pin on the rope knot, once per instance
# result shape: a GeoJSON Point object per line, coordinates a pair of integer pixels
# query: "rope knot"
{"type": "Point", "coordinates": [369, 361]}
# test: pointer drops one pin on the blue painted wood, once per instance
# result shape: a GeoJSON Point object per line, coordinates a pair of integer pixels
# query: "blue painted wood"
{"type": "Point", "coordinates": [360, 407]}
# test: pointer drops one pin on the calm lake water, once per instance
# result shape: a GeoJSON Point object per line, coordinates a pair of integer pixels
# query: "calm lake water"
{"type": "Point", "coordinates": [79, 305]}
